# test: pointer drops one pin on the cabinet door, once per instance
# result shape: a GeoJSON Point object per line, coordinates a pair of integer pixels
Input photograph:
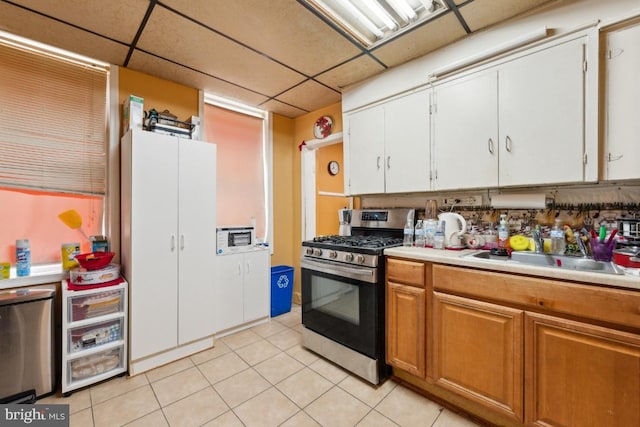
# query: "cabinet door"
{"type": "Point", "coordinates": [406, 322]}
{"type": "Point", "coordinates": [541, 101]}
{"type": "Point", "coordinates": [153, 264]}
{"type": "Point", "coordinates": [196, 239]}
{"type": "Point", "coordinates": [406, 139]}
{"type": "Point", "coordinates": [228, 306]}
{"type": "Point", "coordinates": [364, 144]}
{"type": "Point", "coordinates": [622, 103]}
{"type": "Point", "coordinates": [465, 132]}
{"type": "Point", "coordinates": [257, 285]}
{"type": "Point", "coordinates": [580, 375]}
{"type": "Point", "coordinates": [478, 352]}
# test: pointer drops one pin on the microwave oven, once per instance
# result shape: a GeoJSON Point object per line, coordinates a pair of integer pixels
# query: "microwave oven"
{"type": "Point", "coordinates": [235, 239]}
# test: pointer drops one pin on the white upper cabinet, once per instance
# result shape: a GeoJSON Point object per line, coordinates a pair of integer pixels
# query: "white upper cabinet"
{"type": "Point", "coordinates": [387, 147]}
{"type": "Point", "coordinates": [622, 103]}
{"type": "Point", "coordinates": [521, 122]}
{"type": "Point", "coordinates": [541, 100]}
{"type": "Point", "coordinates": [465, 132]}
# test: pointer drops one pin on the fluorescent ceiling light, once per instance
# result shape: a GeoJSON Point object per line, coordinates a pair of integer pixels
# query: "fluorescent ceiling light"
{"type": "Point", "coordinates": [373, 21]}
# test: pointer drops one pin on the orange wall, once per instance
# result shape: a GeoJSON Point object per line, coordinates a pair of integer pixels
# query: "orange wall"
{"type": "Point", "coordinates": [327, 220]}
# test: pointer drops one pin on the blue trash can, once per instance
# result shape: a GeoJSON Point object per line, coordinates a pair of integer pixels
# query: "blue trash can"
{"type": "Point", "coordinates": [281, 289]}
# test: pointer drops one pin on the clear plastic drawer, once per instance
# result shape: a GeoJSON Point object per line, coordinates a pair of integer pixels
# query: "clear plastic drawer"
{"type": "Point", "coordinates": [95, 364]}
{"type": "Point", "coordinates": [97, 304]}
{"type": "Point", "coordinates": [94, 335]}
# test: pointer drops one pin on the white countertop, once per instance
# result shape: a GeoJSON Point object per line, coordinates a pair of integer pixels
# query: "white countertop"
{"type": "Point", "coordinates": [458, 258]}
{"type": "Point", "coordinates": [40, 275]}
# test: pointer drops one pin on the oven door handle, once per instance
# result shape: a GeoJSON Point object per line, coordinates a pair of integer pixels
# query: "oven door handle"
{"type": "Point", "coordinates": [368, 275]}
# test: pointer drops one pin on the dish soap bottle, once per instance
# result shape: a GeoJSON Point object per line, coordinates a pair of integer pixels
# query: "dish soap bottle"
{"type": "Point", "coordinates": [503, 231]}
{"type": "Point", "coordinates": [557, 238]}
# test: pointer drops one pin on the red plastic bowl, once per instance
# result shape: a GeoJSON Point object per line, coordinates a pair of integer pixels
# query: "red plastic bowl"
{"type": "Point", "coordinates": [95, 260]}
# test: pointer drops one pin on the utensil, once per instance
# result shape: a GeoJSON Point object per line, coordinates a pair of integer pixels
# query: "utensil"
{"type": "Point", "coordinates": [73, 220]}
{"type": "Point", "coordinates": [613, 234]}
{"type": "Point", "coordinates": [603, 233]}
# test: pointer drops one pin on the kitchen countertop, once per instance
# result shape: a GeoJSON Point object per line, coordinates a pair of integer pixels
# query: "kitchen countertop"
{"type": "Point", "coordinates": [40, 275]}
{"type": "Point", "coordinates": [450, 257]}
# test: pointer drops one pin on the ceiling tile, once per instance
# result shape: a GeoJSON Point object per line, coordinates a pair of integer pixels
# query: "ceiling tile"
{"type": "Point", "coordinates": [283, 30]}
{"type": "Point", "coordinates": [117, 19]}
{"type": "Point", "coordinates": [480, 14]}
{"type": "Point", "coordinates": [310, 96]}
{"type": "Point", "coordinates": [158, 67]}
{"type": "Point", "coordinates": [18, 21]}
{"type": "Point", "coordinates": [353, 71]}
{"type": "Point", "coordinates": [202, 50]}
{"type": "Point", "coordinates": [283, 109]}
{"type": "Point", "coordinates": [443, 30]}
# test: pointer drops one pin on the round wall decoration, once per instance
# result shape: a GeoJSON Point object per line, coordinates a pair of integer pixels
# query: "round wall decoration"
{"type": "Point", "coordinates": [334, 167]}
{"type": "Point", "coordinates": [322, 127]}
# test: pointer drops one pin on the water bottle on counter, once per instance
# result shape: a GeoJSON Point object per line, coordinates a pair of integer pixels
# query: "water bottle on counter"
{"type": "Point", "coordinates": [438, 236]}
{"type": "Point", "coordinates": [419, 234]}
{"type": "Point", "coordinates": [23, 257]}
{"type": "Point", "coordinates": [557, 238]}
{"type": "Point", "coordinates": [408, 233]}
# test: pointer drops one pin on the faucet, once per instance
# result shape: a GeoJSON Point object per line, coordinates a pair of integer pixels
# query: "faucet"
{"type": "Point", "coordinates": [536, 233]}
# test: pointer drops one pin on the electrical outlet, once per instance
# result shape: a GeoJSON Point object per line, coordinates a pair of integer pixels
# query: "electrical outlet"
{"type": "Point", "coordinates": [462, 201]}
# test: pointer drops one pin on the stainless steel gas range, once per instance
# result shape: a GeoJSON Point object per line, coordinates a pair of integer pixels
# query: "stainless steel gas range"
{"type": "Point", "coordinates": [343, 296]}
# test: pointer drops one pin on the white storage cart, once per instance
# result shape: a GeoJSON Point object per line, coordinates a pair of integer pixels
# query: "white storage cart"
{"type": "Point", "coordinates": [94, 335]}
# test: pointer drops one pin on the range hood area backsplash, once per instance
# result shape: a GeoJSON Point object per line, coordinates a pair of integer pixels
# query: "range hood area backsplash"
{"type": "Point", "coordinates": [579, 205]}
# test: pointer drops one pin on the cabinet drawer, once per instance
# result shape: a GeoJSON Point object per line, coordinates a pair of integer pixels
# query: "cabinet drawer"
{"type": "Point", "coordinates": [94, 335]}
{"type": "Point", "coordinates": [98, 304]}
{"type": "Point", "coordinates": [95, 364]}
{"type": "Point", "coordinates": [617, 306]}
{"type": "Point", "coordinates": [406, 272]}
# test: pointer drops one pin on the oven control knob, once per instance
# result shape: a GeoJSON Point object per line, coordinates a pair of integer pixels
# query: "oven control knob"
{"type": "Point", "coordinates": [333, 254]}
{"type": "Point", "coordinates": [360, 259]}
{"type": "Point", "coordinates": [317, 252]}
{"type": "Point", "coordinates": [309, 251]}
{"type": "Point", "coordinates": [349, 257]}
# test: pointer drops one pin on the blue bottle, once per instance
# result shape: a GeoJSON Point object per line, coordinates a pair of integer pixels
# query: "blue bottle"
{"type": "Point", "coordinates": [23, 257]}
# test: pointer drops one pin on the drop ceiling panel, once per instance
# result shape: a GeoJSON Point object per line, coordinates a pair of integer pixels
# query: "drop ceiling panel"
{"type": "Point", "coordinates": [196, 47]}
{"type": "Point", "coordinates": [283, 109]}
{"type": "Point", "coordinates": [18, 21]}
{"type": "Point", "coordinates": [283, 30]}
{"type": "Point", "coordinates": [117, 19]}
{"type": "Point", "coordinates": [480, 14]}
{"type": "Point", "coordinates": [437, 33]}
{"type": "Point", "coordinates": [158, 67]}
{"type": "Point", "coordinates": [310, 96]}
{"type": "Point", "coordinates": [352, 72]}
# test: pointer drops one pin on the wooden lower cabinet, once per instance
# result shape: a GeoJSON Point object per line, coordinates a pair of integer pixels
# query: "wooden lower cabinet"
{"type": "Point", "coordinates": [478, 352]}
{"type": "Point", "coordinates": [580, 375]}
{"type": "Point", "coordinates": [406, 323]}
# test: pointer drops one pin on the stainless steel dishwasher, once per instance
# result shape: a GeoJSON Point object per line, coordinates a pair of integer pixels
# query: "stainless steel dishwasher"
{"type": "Point", "coordinates": [27, 344]}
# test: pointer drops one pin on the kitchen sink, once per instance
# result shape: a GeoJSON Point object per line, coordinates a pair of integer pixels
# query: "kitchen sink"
{"type": "Point", "coordinates": [548, 260]}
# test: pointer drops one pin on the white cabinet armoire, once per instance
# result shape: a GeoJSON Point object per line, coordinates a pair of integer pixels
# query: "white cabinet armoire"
{"type": "Point", "coordinates": [168, 204]}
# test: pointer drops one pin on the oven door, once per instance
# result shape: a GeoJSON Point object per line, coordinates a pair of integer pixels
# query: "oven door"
{"type": "Point", "coordinates": [344, 303]}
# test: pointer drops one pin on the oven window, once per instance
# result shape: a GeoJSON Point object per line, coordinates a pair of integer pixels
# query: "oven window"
{"type": "Point", "coordinates": [240, 239]}
{"type": "Point", "coordinates": [338, 299]}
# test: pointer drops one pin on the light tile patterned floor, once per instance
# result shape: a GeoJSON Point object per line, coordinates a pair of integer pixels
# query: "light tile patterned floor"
{"type": "Point", "coordinates": [258, 377]}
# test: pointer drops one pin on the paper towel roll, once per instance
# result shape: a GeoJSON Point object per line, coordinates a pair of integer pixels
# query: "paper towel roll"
{"type": "Point", "coordinates": [519, 201]}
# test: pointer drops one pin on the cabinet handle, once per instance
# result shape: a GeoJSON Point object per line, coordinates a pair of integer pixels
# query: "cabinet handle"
{"type": "Point", "coordinates": [491, 145]}
{"type": "Point", "coordinates": [507, 144]}
{"type": "Point", "coordinates": [248, 270]}
{"type": "Point", "coordinates": [378, 162]}
{"type": "Point", "coordinates": [173, 242]}
{"type": "Point", "coordinates": [388, 162]}
{"type": "Point", "coordinates": [182, 242]}
{"type": "Point", "coordinates": [239, 269]}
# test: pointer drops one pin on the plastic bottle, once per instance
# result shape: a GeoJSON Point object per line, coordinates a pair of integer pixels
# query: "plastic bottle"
{"type": "Point", "coordinates": [438, 236]}
{"type": "Point", "coordinates": [408, 233]}
{"type": "Point", "coordinates": [430, 227]}
{"type": "Point", "coordinates": [557, 238]}
{"type": "Point", "coordinates": [23, 257]}
{"type": "Point", "coordinates": [419, 234]}
{"type": "Point", "coordinates": [503, 231]}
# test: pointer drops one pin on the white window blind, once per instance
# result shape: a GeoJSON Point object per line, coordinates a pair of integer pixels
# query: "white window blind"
{"type": "Point", "coordinates": [53, 127]}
